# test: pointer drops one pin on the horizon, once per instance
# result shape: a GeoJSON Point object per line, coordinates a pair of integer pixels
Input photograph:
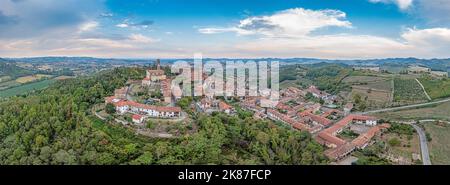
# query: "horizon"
{"type": "Point", "coordinates": [322, 29]}
{"type": "Point", "coordinates": [290, 58]}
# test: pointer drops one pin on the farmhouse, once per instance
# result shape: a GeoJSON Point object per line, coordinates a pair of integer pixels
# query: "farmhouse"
{"type": "Point", "coordinates": [367, 68]}
{"type": "Point", "coordinates": [138, 119]}
{"type": "Point", "coordinates": [418, 69]}
{"type": "Point", "coordinates": [439, 73]}
{"type": "Point", "coordinates": [123, 106]}
{"type": "Point", "coordinates": [121, 93]}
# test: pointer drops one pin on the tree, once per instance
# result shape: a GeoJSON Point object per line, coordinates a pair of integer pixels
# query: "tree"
{"type": "Point", "coordinates": [150, 124]}
{"type": "Point", "coordinates": [110, 108]}
{"type": "Point", "coordinates": [394, 142]}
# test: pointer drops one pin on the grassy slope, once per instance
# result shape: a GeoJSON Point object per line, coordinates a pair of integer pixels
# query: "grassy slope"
{"type": "Point", "coordinates": [441, 111]}
{"type": "Point", "coordinates": [440, 144]}
{"type": "Point", "coordinates": [26, 88]}
{"type": "Point", "coordinates": [436, 88]}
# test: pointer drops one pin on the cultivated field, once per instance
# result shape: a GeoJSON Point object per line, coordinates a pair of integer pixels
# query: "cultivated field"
{"type": "Point", "coordinates": [439, 112]}
{"type": "Point", "coordinates": [4, 78]}
{"type": "Point", "coordinates": [26, 88]}
{"type": "Point", "coordinates": [436, 88]}
{"type": "Point", "coordinates": [31, 78]}
{"type": "Point", "coordinates": [378, 93]}
{"type": "Point", "coordinates": [362, 79]}
{"type": "Point", "coordinates": [63, 77]}
{"type": "Point", "coordinates": [8, 84]}
{"type": "Point", "coordinates": [408, 91]}
{"type": "Point", "coordinates": [406, 148]}
{"type": "Point", "coordinates": [440, 143]}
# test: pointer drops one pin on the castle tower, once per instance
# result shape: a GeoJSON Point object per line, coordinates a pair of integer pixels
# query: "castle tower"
{"type": "Point", "coordinates": [158, 67]}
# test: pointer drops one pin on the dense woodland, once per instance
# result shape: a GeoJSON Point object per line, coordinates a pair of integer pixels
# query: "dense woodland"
{"type": "Point", "coordinates": [56, 126]}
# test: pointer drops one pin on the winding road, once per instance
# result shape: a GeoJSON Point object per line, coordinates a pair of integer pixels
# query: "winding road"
{"type": "Point", "coordinates": [422, 136]}
{"type": "Point", "coordinates": [423, 143]}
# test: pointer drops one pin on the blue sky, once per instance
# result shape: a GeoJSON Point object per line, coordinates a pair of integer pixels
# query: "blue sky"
{"type": "Point", "coordinates": [335, 29]}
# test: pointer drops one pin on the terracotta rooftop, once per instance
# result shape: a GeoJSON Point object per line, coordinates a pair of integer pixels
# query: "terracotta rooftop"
{"type": "Point", "coordinates": [224, 106]}
{"type": "Point", "coordinates": [136, 116]}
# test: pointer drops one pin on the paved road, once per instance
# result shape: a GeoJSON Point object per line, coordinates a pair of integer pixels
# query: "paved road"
{"type": "Point", "coordinates": [405, 107]}
{"type": "Point", "coordinates": [423, 144]}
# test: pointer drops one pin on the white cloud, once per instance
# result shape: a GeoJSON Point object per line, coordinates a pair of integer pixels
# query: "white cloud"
{"type": "Point", "coordinates": [288, 23]}
{"type": "Point", "coordinates": [141, 38]}
{"type": "Point", "coordinates": [402, 4]}
{"type": "Point", "coordinates": [88, 26]}
{"type": "Point", "coordinates": [288, 34]}
{"type": "Point", "coordinates": [122, 25]}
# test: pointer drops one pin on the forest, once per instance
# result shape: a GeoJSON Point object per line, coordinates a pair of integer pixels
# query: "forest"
{"type": "Point", "coordinates": [56, 126]}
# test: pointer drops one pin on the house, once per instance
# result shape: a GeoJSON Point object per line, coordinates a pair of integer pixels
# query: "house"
{"type": "Point", "coordinates": [166, 85]}
{"type": "Point", "coordinates": [314, 91]}
{"type": "Point", "coordinates": [367, 68]}
{"type": "Point", "coordinates": [363, 140]}
{"type": "Point", "coordinates": [224, 107]}
{"type": "Point", "coordinates": [348, 108]}
{"type": "Point", "coordinates": [328, 136]}
{"type": "Point", "coordinates": [439, 73]}
{"type": "Point", "coordinates": [123, 106]}
{"type": "Point", "coordinates": [316, 119]}
{"type": "Point", "coordinates": [340, 152]}
{"type": "Point", "coordinates": [418, 69]}
{"type": "Point", "coordinates": [138, 119]}
{"type": "Point", "coordinates": [121, 93]}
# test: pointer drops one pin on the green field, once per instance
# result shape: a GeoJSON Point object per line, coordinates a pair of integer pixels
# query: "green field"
{"type": "Point", "coordinates": [26, 88]}
{"type": "Point", "coordinates": [440, 143]}
{"type": "Point", "coordinates": [436, 88]}
{"type": "Point", "coordinates": [408, 91]}
{"type": "Point", "coordinates": [439, 112]}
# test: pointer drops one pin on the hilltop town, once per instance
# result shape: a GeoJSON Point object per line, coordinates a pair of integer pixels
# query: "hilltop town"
{"type": "Point", "coordinates": [306, 110]}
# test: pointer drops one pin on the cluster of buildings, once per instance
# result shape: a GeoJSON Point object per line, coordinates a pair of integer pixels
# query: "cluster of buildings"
{"type": "Point", "coordinates": [340, 148]}
{"type": "Point", "coordinates": [367, 68]}
{"type": "Point", "coordinates": [210, 105]}
{"type": "Point", "coordinates": [416, 69]}
{"type": "Point", "coordinates": [139, 111]}
{"type": "Point", "coordinates": [323, 122]}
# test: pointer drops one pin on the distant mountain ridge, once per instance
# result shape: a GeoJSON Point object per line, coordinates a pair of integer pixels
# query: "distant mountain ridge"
{"type": "Point", "coordinates": [437, 64]}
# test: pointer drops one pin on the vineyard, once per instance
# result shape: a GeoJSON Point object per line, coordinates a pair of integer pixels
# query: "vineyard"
{"type": "Point", "coordinates": [408, 91]}
{"type": "Point", "coordinates": [436, 88]}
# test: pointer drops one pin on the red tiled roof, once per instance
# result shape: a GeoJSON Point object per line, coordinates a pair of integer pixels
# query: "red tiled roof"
{"type": "Point", "coordinates": [224, 106]}
{"type": "Point", "coordinates": [339, 151]}
{"type": "Point", "coordinates": [110, 99]}
{"type": "Point", "coordinates": [347, 120]}
{"type": "Point", "coordinates": [319, 119]}
{"type": "Point", "coordinates": [136, 116]}
{"type": "Point", "coordinates": [363, 139]}
{"type": "Point", "coordinates": [155, 72]}
{"type": "Point", "coordinates": [328, 138]}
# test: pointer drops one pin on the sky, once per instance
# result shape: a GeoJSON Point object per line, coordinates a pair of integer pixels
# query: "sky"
{"type": "Point", "coordinates": [328, 29]}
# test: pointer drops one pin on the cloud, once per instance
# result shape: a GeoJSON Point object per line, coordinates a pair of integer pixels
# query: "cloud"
{"type": "Point", "coordinates": [402, 4]}
{"type": "Point", "coordinates": [106, 15]}
{"type": "Point", "coordinates": [122, 25]}
{"type": "Point", "coordinates": [142, 24]}
{"type": "Point", "coordinates": [30, 18]}
{"type": "Point", "coordinates": [88, 26]}
{"type": "Point", "coordinates": [289, 34]}
{"type": "Point", "coordinates": [141, 38]}
{"type": "Point", "coordinates": [288, 23]}
{"type": "Point", "coordinates": [435, 12]}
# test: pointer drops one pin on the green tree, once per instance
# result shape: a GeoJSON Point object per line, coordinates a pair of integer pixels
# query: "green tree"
{"type": "Point", "coordinates": [110, 108]}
